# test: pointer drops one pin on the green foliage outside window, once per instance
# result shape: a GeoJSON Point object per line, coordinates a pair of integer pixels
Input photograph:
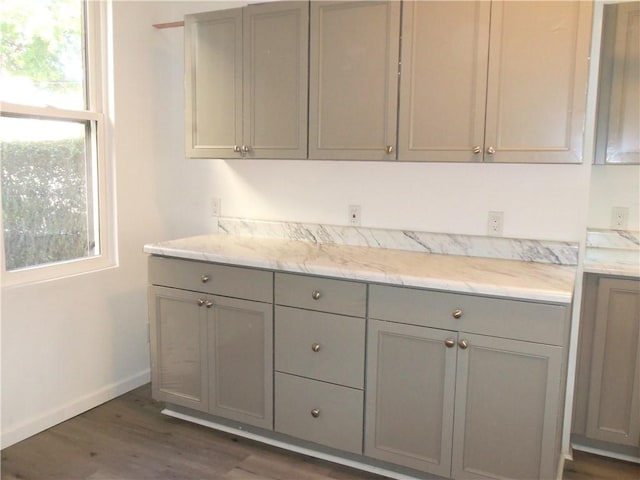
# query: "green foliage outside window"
{"type": "Point", "coordinates": [44, 200]}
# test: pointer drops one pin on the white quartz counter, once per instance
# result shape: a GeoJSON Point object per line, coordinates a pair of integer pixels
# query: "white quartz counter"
{"type": "Point", "coordinates": [464, 274]}
{"type": "Point", "coordinates": [613, 252]}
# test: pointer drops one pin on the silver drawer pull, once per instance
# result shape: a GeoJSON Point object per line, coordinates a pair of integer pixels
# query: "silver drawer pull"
{"type": "Point", "coordinates": [457, 313]}
{"type": "Point", "coordinates": [209, 304]}
{"type": "Point", "coordinates": [449, 342]}
{"type": "Point", "coordinates": [200, 302]}
{"type": "Point", "coordinates": [315, 413]}
{"type": "Point", "coordinates": [316, 294]}
{"type": "Point", "coordinates": [463, 344]}
{"type": "Point", "coordinates": [315, 347]}
{"type": "Point", "coordinates": [204, 278]}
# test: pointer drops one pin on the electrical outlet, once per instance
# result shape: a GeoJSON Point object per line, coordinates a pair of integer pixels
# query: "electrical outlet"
{"type": "Point", "coordinates": [619, 218]}
{"type": "Point", "coordinates": [355, 214]}
{"type": "Point", "coordinates": [216, 206]}
{"type": "Point", "coordinates": [495, 223]}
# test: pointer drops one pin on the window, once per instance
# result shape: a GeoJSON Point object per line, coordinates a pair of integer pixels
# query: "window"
{"type": "Point", "coordinates": [52, 135]}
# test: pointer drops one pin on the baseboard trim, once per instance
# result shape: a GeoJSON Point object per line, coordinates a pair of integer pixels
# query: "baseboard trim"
{"type": "Point", "coordinates": [60, 414]}
{"type": "Point", "coordinates": [605, 453]}
{"type": "Point", "coordinates": [294, 448]}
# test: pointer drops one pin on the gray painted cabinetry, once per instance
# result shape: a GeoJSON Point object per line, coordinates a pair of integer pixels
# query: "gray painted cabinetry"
{"type": "Point", "coordinates": [505, 392]}
{"type": "Point", "coordinates": [607, 409]}
{"type": "Point", "coordinates": [319, 360]}
{"type": "Point", "coordinates": [456, 385]}
{"type": "Point", "coordinates": [353, 80]}
{"type": "Point", "coordinates": [212, 353]}
{"type": "Point", "coordinates": [510, 84]}
{"type": "Point", "coordinates": [246, 73]}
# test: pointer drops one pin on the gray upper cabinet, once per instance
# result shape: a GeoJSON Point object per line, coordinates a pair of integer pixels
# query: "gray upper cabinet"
{"type": "Point", "coordinates": [618, 127]}
{"type": "Point", "coordinates": [246, 82]}
{"type": "Point", "coordinates": [444, 81]}
{"type": "Point", "coordinates": [353, 81]}
{"type": "Point", "coordinates": [525, 104]}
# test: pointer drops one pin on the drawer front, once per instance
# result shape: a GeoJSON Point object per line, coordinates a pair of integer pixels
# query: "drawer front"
{"type": "Point", "coordinates": [322, 346]}
{"type": "Point", "coordinates": [319, 412]}
{"type": "Point", "coordinates": [212, 278]}
{"type": "Point", "coordinates": [520, 320]}
{"type": "Point", "coordinates": [323, 294]}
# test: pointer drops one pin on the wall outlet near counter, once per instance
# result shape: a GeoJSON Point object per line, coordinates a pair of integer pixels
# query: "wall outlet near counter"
{"type": "Point", "coordinates": [355, 215]}
{"type": "Point", "coordinates": [619, 218]}
{"type": "Point", "coordinates": [494, 224]}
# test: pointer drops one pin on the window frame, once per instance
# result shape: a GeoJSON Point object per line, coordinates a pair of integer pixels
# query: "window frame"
{"type": "Point", "coordinates": [99, 111]}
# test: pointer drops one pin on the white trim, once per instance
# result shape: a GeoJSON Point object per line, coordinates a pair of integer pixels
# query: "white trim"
{"type": "Point", "coordinates": [606, 453]}
{"type": "Point", "coordinates": [49, 112]}
{"type": "Point", "coordinates": [291, 447]}
{"type": "Point", "coordinates": [78, 406]}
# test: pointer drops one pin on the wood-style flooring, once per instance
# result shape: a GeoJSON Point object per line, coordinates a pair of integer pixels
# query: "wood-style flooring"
{"type": "Point", "coordinates": [128, 438]}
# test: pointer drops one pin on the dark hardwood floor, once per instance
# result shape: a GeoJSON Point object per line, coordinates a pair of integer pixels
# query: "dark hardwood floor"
{"type": "Point", "coordinates": [128, 438]}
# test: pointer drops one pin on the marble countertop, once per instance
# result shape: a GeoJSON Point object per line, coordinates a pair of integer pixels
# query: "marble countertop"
{"type": "Point", "coordinates": [613, 252]}
{"type": "Point", "coordinates": [457, 273]}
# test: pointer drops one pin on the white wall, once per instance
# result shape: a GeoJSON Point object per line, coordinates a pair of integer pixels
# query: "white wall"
{"type": "Point", "coordinates": [614, 186]}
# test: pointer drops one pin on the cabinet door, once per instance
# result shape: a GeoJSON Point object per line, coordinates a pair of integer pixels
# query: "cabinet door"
{"type": "Point", "coordinates": [538, 66]}
{"type": "Point", "coordinates": [240, 337]}
{"type": "Point", "coordinates": [444, 78]}
{"type": "Point", "coordinates": [613, 413]}
{"type": "Point", "coordinates": [618, 134]}
{"type": "Point", "coordinates": [507, 409]}
{"type": "Point", "coordinates": [276, 39]}
{"type": "Point", "coordinates": [353, 82]}
{"type": "Point", "coordinates": [213, 84]}
{"type": "Point", "coordinates": [409, 396]}
{"type": "Point", "coordinates": [178, 325]}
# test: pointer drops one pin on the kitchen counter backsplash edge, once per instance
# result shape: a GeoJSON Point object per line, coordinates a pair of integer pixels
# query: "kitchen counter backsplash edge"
{"type": "Point", "coordinates": [538, 251]}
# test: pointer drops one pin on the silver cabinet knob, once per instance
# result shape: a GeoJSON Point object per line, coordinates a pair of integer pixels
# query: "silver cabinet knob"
{"type": "Point", "coordinates": [237, 149]}
{"type": "Point", "coordinates": [316, 294]}
{"type": "Point", "coordinates": [449, 342]}
{"type": "Point", "coordinates": [315, 347]}
{"type": "Point", "coordinates": [457, 313]}
{"type": "Point", "coordinates": [200, 302]}
{"type": "Point", "coordinates": [246, 148]}
{"type": "Point", "coordinates": [315, 413]}
{"type": "Point", "coordinates": [491, 150]}
{"type": "Point", "coordinates": [204, 278]}
{"type": "Point", "coordinates": [463, 344]}
{"type": "Point", "coordinates": [209, 304]}
{"type": "Point", "coordinates": [389, 149]}
{"type": "Point", "coordinates": [477, 149]}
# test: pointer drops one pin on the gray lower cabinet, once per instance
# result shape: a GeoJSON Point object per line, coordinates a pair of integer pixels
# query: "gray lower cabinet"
{"type": "Point", "coordinates": [506, 408]}
{"type": "Point", "coordinates": [607, 406]}
{"type": "Point", "coordinates": [457, 404]}
{"type": "Point", "coordinates": [209, 352]}
{"type": "Point", "coordinates": [178, 326]}
{"type": "Point", "coordinates": [319, 360]}
{"type": "Point", "coordinates": [410, 395]}
{"type": "Point", "coordinates": [454, 385]}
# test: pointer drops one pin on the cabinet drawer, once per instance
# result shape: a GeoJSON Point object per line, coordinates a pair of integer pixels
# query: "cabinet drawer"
{"type": "Point", "coordinates": [211, 278]}
{"type": "Point", "coordinates": [323, 294]}
{"type": "Point", "coordinates": [338, 410]}
{"type": "Point", "coordinates": [322, 346]}
{"type": "Point", "coordinates": [520, 320]}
